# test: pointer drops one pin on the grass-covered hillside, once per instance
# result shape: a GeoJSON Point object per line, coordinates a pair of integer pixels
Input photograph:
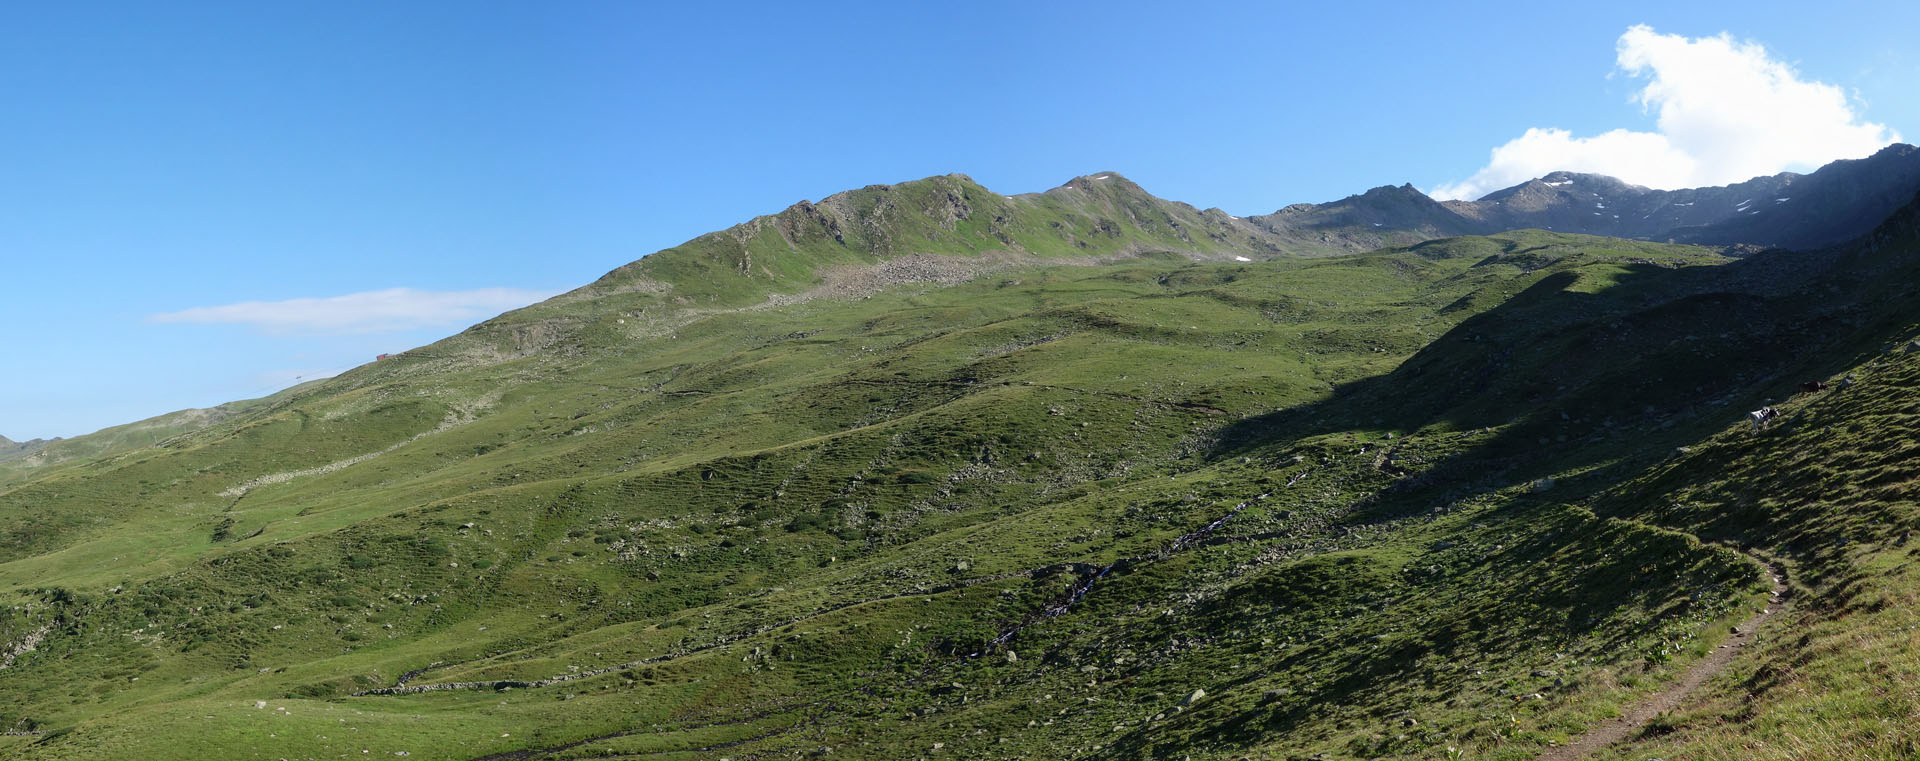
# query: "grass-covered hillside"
{"type": "Point", "coordinates": [916, 472]}
{"type": "Point", "coordinates": [38, 457]}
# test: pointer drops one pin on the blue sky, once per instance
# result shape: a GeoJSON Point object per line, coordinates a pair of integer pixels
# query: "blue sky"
{"type": "Point", "coordinates": [171, 173]}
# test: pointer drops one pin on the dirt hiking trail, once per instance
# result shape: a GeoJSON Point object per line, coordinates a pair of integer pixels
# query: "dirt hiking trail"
{"type": "Point", "coordinates": [1619, 728]}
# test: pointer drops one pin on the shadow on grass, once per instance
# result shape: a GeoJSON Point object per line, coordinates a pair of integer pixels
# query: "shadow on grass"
{"type": "Point", "coordinates": [1564, 379]}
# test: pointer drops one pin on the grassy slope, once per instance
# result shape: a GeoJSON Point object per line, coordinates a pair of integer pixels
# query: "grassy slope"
{"type": "Point", "coordinates": [21, 464]}
{"type": "Point", "coordinates": [787, 529]}
{"type": "Point", "coordinates": [1831, 495]}
{"type": "Point", "coordinates": [835, 455]}
{"type": "Point", "coordinates": [1829, 491]}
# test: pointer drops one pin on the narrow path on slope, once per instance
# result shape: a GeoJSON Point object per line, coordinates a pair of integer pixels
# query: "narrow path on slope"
{"type": "Point", "coordinates": [1619, 728]}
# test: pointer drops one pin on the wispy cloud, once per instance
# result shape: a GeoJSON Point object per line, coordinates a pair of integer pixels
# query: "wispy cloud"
{"type": "Point", "coordinates": [394, 309]}
{"type": "Point", "coordinates": [1727, 111]}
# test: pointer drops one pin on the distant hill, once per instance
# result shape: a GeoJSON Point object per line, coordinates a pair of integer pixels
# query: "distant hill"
{"type": "Point", "coordinates": [1381, 217]}
{"type": "Point", "coordinates": [10, 449]}
{"type": "Point", "coordinates": [18, 459]}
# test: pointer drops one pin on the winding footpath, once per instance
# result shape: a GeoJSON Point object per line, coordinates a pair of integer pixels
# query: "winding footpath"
{"type": "Point", "coordinates": [1619, 728]}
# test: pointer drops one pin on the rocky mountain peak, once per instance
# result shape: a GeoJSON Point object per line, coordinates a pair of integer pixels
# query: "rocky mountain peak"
{"type": "Point", "coordinates": [1407, 191]}
{"type": "Point", "coordinates": [1896, 150]}
{"type": "Point", "coordinates": [1099, 180]}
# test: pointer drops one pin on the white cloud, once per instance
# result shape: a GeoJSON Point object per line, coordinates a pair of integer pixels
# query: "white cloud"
{"type": "Point", "coordinates": [385, 311]}
{"type": "Point", "coordinates": [1727, 111]}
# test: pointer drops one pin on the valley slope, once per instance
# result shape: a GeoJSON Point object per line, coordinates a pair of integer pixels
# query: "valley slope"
{"type": "Point", "coordinates": [923, 470]}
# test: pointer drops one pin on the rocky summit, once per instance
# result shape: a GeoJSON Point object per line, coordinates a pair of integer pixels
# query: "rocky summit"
{"type": "Point", "coordinates": [925, 470]}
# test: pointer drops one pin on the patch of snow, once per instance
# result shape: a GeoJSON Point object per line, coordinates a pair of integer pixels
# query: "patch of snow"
{"type": "Point", "coordinates": [1689, 203]}
{"type": "Point", "coordinates": [1377, 224]}
{"type": "Point", "coordinates": [1782, 200]}
{"type": "Point", "coordinates": [1599, 206]}
{"type": "Point", "coordinates": [1241, 259]}
{"type": "Point", "coordinates": [1102, 177]}
{"type": "Point", "coordinates": [1558, 184]}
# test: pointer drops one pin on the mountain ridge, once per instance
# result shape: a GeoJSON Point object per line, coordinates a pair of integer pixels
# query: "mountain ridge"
{"type": "Point", "coordinates": [1829, 206]}
{"type": "Point", "coordinates": [948, 228]}
{"type": "Point", "coordinates": [1104, 215]}
{"type": "Point", "coordinates": [1388, 215]}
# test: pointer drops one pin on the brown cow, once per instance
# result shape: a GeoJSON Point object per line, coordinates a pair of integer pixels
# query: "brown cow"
{"type": "Point", "coordinates": [1812, 386]}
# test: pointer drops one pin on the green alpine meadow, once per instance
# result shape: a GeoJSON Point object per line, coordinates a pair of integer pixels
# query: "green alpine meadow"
{"type": "Point", "coordinates": [927, 471]}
